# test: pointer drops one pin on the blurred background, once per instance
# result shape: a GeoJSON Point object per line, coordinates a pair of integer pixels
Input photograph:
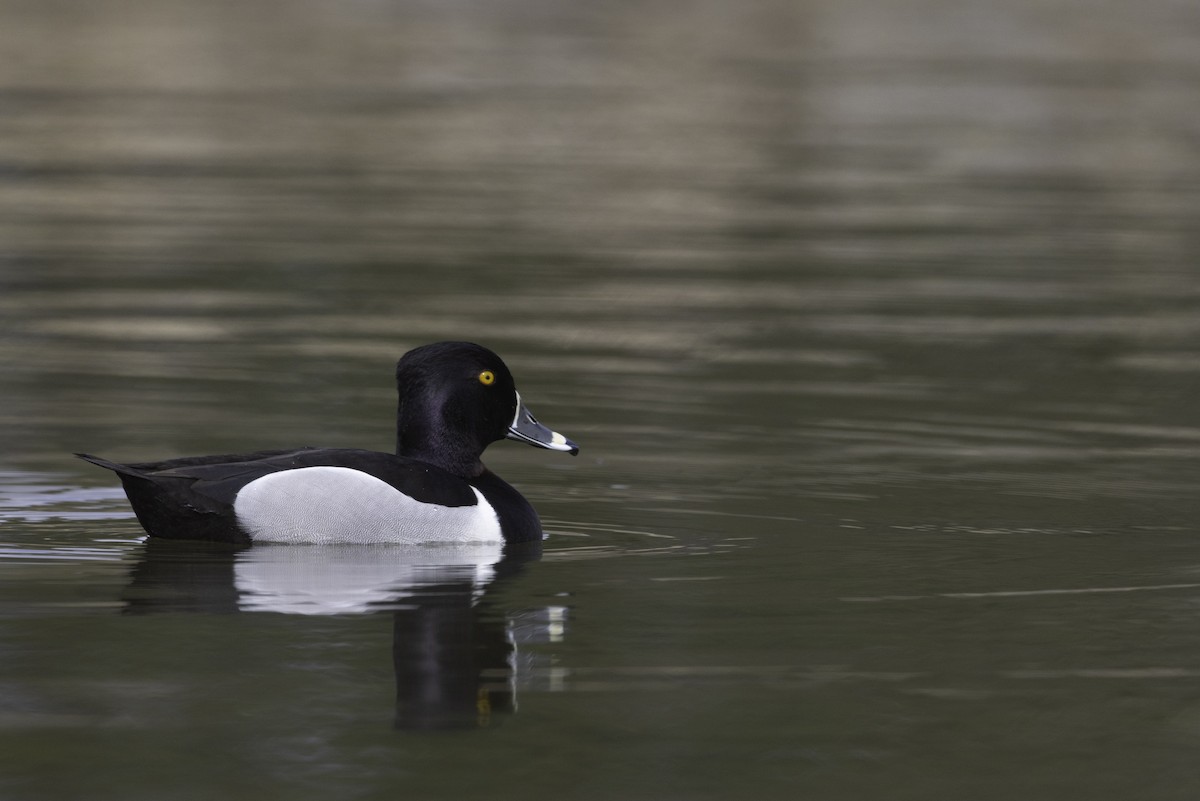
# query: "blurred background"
{"type": "Point", "coordinates": [852, 301]}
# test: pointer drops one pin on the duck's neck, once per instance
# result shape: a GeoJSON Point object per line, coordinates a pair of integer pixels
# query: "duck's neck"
{"type": "Point", "coordinates": [453, 451]}
{"type": "Point", "coordinates": [466, 467]}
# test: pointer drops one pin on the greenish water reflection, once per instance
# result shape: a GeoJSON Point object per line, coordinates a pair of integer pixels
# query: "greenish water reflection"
{"type": "Point", "coordinates": [876, 325]}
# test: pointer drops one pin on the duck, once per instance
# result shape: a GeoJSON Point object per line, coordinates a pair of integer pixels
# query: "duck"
{"type": "Point", "coordinates": [455, 399]}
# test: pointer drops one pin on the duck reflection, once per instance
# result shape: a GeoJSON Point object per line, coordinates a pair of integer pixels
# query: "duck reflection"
{"type": "Point", "coordinates": [454, 652]}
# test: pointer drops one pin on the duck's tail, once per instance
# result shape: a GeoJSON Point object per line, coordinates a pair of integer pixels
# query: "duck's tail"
{"type": "Point", "coordinates": [167, 507]}
{"type": "Point", "coordinates": [119, 469]}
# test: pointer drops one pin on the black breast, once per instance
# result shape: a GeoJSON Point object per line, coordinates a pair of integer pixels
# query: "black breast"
{"type": "Point", "coordinates": [518, 521]}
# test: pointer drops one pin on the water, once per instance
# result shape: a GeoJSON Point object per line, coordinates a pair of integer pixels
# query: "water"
{"type": "Point", "coordinates": [876, 325]}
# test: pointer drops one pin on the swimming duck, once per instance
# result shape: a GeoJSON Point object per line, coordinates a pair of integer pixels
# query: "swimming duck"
{"type": "Point", "coordinates": [456, 398]}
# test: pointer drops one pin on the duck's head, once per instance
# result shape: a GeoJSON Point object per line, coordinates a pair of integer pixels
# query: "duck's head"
{"type": "Point", "coordinates": [456, 398]}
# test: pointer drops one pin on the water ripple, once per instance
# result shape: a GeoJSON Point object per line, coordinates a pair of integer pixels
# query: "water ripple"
{"type": "Point", "coordinates": [37, 497]}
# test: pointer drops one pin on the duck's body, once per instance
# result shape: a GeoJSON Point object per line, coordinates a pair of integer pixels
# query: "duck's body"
{"type": "Point", "coordinates": [455, 399]}
{"type": "Point", "coordinates": [322, 495]}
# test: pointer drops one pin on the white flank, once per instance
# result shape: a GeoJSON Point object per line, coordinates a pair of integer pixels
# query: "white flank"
{"type": "Point", "coordinates": [327, 505]}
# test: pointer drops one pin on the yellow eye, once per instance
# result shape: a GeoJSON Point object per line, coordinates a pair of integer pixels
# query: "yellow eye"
{"type": "Point", "coordinates": [487, 378]}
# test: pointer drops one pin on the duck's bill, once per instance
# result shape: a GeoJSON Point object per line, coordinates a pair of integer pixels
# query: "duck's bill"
{"type": "Point", "coordinates": [525, 428]}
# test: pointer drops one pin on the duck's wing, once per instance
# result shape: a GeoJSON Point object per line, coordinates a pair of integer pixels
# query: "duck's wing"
{"type": "Point", "coordinates": [219, 478]}
{"type": "Point", "coordinates": [182, 465]}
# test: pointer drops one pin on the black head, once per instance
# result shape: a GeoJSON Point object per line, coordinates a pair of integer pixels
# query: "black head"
{"type": "Point", "coordinates": [456, 398]}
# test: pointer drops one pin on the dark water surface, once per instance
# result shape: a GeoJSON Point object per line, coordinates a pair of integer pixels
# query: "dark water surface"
{"type": "Point", "coordinates": [877, 325]}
